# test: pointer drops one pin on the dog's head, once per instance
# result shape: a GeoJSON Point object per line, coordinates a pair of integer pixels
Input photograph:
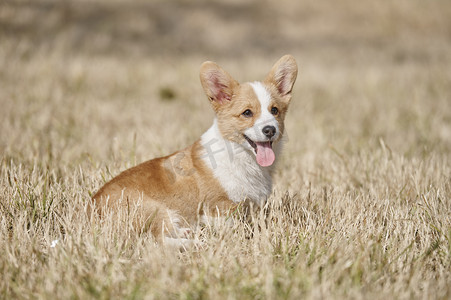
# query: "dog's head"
{"type": "Point", "coordinates": [251, 114]}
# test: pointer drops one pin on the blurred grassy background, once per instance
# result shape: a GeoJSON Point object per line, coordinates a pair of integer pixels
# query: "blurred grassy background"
{"type": "Point", "coordinates": [356, 31]}
{"type": "Point", "coordinates": [88, 88]}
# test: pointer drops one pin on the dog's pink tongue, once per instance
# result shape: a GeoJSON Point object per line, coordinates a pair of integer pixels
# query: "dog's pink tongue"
{"type": "Point", "coordinates": [265, 154]}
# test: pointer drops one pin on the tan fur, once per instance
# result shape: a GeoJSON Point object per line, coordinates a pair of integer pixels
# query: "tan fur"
{"type": "Point", "coordinates": [180, 182]}
{"type": "Point", "coordinates": [281, 103]}
{"type": "Point", "coordinates": [231, 122]}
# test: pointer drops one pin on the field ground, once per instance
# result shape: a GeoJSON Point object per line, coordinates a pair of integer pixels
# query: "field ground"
{"type": "Point", "coordinates": [361, 207]}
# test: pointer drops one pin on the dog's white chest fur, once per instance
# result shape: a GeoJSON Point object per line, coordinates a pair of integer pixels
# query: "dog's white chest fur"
{"type": "Point", "coordinates": [235, 168]}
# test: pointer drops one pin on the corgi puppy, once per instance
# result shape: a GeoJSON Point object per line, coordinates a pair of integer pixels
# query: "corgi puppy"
{"type": "Point", "coordinates": [232, 161]}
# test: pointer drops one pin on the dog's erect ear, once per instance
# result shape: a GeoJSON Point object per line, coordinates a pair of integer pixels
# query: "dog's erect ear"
{"type": "Point", "coordinates": [217, 83]}
{"type": "Point", "coordinates": [283, 75]}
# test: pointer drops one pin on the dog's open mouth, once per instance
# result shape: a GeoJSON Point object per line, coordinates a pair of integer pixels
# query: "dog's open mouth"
{"type": "Point", "coordinates": [263, 150]}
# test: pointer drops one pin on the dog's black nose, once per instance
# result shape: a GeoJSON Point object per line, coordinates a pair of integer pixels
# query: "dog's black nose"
{"type": "Point", "coordinates": [269, 131]}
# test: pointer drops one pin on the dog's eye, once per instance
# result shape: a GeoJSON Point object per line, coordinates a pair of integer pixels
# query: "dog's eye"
{"type": "Point", "coordinates": [247, 113]}
{"type": "Point", "coordinates": [274, 111]}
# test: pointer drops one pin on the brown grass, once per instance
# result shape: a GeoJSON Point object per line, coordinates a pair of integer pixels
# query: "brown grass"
{"type": "Point", "coordinates": [362, 201]}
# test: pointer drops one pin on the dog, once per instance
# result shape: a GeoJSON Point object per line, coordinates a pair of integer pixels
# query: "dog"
{"type": "Point", "coordinates": [232, 162]}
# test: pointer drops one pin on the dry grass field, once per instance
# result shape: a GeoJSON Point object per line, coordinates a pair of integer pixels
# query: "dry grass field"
{"type": "Point", "coordinates": [361, 207]}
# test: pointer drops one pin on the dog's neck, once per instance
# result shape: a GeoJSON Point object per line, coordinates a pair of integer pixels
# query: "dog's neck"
{"type": "Point", "coordinates": [236, 168]}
